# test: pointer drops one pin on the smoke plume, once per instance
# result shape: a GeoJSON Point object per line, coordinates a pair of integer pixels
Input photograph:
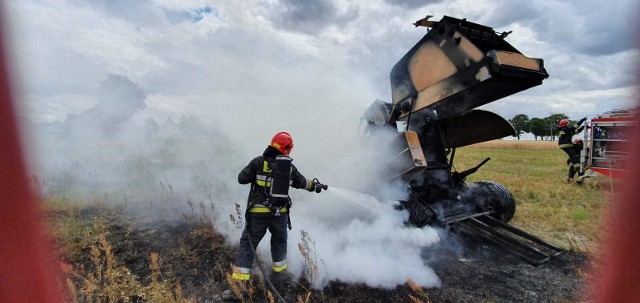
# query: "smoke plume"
{"type": "Point", "coordinates": [118, 151]}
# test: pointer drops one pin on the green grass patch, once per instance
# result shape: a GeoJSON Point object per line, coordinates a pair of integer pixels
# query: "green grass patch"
{"type": "Point", "coordinates": [546, 204]}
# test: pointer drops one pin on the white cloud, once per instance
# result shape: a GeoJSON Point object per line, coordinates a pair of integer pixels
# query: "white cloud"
{"type": "Point", "coordinates": [182, 5]}
{"type": "Point", "coordinates": [238, 43]}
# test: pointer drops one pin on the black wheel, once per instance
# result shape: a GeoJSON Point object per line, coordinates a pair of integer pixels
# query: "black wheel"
{"type": "Point", "coordinates": [497, 198]}
{"type": "Point", "coordinates": [419, 215]}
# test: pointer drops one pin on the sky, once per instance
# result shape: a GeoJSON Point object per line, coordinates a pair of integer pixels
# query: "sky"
{"type": "Point", "coordinates": [166, 101]}
{"type": "Point", "coordinates": [192, 57]}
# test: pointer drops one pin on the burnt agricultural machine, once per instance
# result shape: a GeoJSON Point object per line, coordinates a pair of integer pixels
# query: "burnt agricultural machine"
{"type": "Point", "coordinates": [456, 67]}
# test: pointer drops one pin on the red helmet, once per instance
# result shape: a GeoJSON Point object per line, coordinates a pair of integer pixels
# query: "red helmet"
{"type": "Point", "coordinates": [283, 142]}
{"type": "Point", "coordinates": [563, 123]}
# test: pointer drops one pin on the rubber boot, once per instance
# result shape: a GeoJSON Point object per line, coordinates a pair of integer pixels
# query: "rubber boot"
{"type": "Point", "coordinates": [281, 280]}
{"type": "Point", "coordinates": [229, 295]}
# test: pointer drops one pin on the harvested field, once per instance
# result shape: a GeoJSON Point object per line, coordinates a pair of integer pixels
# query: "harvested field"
{"type": "Point", "coordinates": [194, 257]}
{"type": "Point", "coordinates": [518, 144]}
{"type": "Point", "coordinates": [194, 260]}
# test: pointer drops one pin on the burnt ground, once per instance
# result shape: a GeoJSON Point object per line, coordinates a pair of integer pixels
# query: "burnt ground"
{"type": "Point", "coordinates": [477, 272]}
{"type": "Point", "coordinates": [195, 255]}
{"type": "Point", "coordinates": [484, 273]}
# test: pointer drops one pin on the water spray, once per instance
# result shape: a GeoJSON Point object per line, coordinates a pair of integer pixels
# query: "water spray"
{"type": "Point", "coordinates": [359, 199]}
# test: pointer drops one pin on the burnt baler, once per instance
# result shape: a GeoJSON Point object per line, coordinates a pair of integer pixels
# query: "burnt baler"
{"type": "Point", "coordinates": [456, 67]}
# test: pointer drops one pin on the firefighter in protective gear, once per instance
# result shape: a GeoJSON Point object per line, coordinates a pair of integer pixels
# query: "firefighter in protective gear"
{"type": "Point", "coordinates": [565, 137]}
{"type": "Point", "coordinates": [578, 146]}
{"type": "Point", "coordinates": [263, 213]}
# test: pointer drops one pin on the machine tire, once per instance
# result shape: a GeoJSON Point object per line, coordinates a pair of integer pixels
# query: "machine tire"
{"type": "Point", "coordinates": [501, 200]}
{"type": "Point", "coordinates": [419, 215]}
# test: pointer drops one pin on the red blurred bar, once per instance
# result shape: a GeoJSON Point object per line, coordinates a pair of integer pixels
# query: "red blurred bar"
{"type": "Point", "coordinates": [613, 173]}
{"type": "Point", "coordinates": [618, 278]}
{"type": "Point", "coordinates": [27, 271]}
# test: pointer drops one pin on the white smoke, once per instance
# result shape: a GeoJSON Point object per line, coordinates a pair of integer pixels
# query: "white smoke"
{"type": "Point", "coordinates": [103, 151]}
{"type": "Point", "coordinates": [360, 239]}
{"type": "Point", "coordinates": [113, 152]}
{"type": "Point", "coordinates": [357, 237]}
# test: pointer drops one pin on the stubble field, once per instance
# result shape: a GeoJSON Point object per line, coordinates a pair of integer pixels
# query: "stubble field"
{"type": "Point", "coordinates": [109, 257]}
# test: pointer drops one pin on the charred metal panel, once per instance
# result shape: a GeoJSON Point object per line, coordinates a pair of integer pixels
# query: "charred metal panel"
{"type": "Point", "coordinates": [458, 66]}
{"type": "Point", "coordinates": [410, 157]}
{"type": "Point", "coordinates": [515, 60]}
{"type": "Point", "coordinates": [474, 127]}
{"type": "Point", "coordinates": [430, 57]}
{"type": "Point", "coordinates": [377, 113]}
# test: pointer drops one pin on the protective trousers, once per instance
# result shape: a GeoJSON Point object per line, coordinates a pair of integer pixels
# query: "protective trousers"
{"type": "Point", "coordinates": [254, 231]}
{"type": "Point", "coordinates": [574, 158]}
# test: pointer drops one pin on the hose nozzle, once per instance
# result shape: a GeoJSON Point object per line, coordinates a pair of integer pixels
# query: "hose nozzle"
{"type": "Point", "coordinates": [319, 186]}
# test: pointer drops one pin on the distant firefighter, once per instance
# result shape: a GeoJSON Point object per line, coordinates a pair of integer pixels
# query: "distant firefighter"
{"type": "Point", "coordinates": [565, 137]}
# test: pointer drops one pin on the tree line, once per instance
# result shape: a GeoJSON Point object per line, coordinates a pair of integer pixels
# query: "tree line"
{"type": "Point", "coordinates": [545, 128]}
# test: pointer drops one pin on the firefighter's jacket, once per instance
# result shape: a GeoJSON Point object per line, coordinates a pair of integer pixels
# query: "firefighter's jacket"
{"type": "Point", "coordinates": [258, 172]}
{"type": "Point", "coordinates": [565, 133]}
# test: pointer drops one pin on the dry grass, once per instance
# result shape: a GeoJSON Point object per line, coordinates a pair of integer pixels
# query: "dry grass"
{"type": "Point", "coordinates": [518, 144]}
{"type": "Point", "coordinates": [75, 226]}
{"type": "Point", "coordinates": [111, 281]}
{"type": "Point", "coordinates": [307, 250]}
{"type": "Point", "coordinates": [97, 271]}
{"type": "Point", "coordinates": [421, 296]}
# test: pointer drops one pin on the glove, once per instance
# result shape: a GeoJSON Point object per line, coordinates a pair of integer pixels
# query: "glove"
{"type": "Point", "coordinates": [582, 120]}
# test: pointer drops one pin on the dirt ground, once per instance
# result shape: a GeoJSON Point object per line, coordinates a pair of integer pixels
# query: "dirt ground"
{"type": "Point", "coordinates": [482, 273]}
{"type": "Point", "coordinates": [487, 274]}
{"type": "Point", "coordinates": [196, 256]}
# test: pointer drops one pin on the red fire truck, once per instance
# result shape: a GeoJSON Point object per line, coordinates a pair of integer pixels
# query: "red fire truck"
{"type": "Point", "coordinates": [605, 148]}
